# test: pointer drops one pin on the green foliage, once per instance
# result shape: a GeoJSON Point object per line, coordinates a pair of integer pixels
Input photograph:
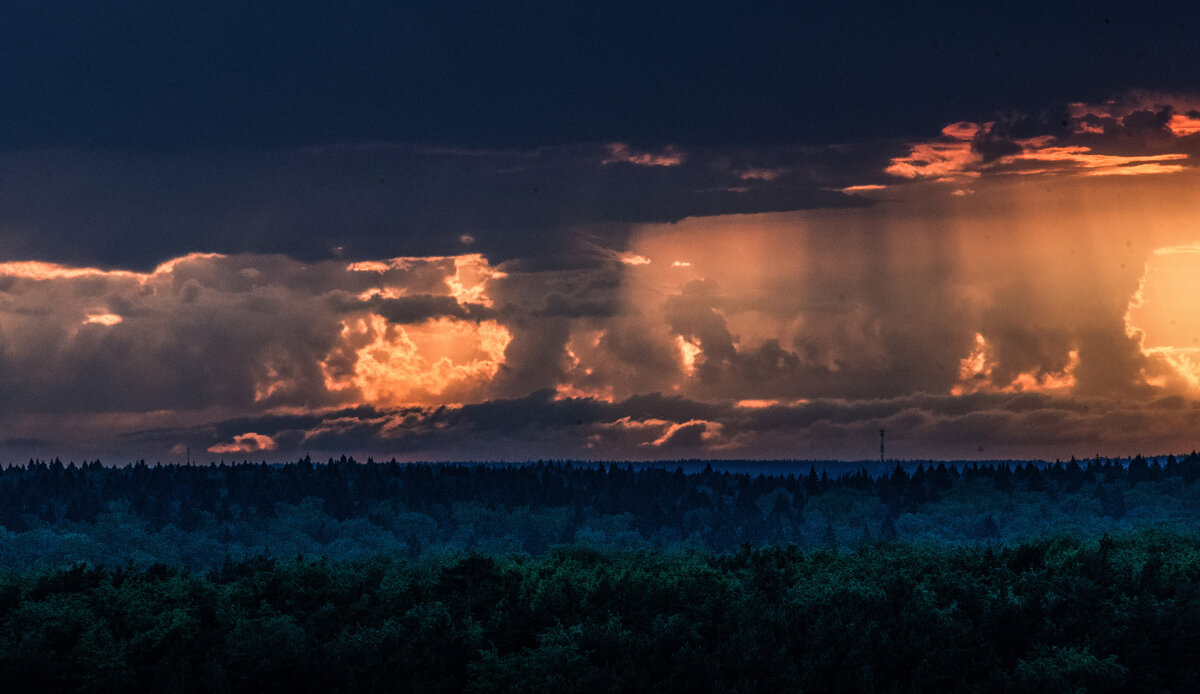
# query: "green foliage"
{"type": "Point", "coordinates": [1119, 613]}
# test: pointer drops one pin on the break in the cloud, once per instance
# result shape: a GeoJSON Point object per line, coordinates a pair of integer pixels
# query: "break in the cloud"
{"type": "Point", "coordinates": [997, 290]}
{"type": "Point", "coordinates": [1139, 134]}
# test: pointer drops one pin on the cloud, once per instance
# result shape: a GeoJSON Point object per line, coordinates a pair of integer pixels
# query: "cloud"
{"type": "Point", "coordinates": [386, 363]}
{"type": "Point", "coordinates": [1139, 134]}
{"type": "Point", "coordinates": [245, 444]}
{"type": "Point", "coordinates": [947, 156]}
{"type": "Point", "coordinates": [970, 426]}
{"type": "Point", "coordinates": [103, 319]}
{"type": "Point", "coordinates": [552, 206]}
{"type": "Point", "coordinates": [624, 309]}
{"type": "Point", "coordinates": [907, 315]}
{"type": "Point", "coordinates": [246, 331]}
{"type": "Point", "coordinates": [619, 152]}
{"type": "Point", "coordinates": [1160, 318]}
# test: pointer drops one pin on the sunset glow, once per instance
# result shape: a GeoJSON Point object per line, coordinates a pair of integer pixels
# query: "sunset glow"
{"type": "Point", "coordinates": [1162, 314]}
{"type": "Point", "coordinates": [390, 365]}
{"type": "Point", "coordinates": [248, 443]}
{"type": "Point", "coordinates": [953, 280]}
{"type": "Point", "coordinates": [975, 374]}
{"type": "Point", "coordinates": [109, 319]}
{"type": "Point", "coordinates": [638, 346]}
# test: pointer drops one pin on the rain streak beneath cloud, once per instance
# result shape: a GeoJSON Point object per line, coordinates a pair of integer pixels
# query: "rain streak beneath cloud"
{"type": "Point", "coordinates": [1016, 287]}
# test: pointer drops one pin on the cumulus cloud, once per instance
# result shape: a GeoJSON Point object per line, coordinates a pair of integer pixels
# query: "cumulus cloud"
{"type": "Point", "coordinates": [800, 332]}
{"type": "Point", "coordinates": [1044, 313]}
{"type": "Point", "coordinates": [234, 332]}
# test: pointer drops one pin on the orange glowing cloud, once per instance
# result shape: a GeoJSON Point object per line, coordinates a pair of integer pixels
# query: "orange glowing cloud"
{"type": "Point", "coordinates": [953, 160]}
{"type": "Point", "coordinates": [633, 259]}
{"type": "Point", "coordinates": [976, 374]}
{"type": "Point", "coordinates": [756, 404]}
{"type": "Point", "coordinates": [949, 155]}
{"type": "Point", "coordinates": [40, 271]}
{"type": "Point", "coordinates": [689, 351]}
{"type": "Point", "coordinates": [1184, 125]}
{"type": "Point", "coordinates": [868, 188]}
{"type": "Point", "coordinates": [1162, 314]}
{"type": "Point", "coordinates": [245, 443]}
{"type": "Point", "coordinates": [300, 340]}
{"type": "Point", "coordinates": [1096, 144]}
{"type": "Point", "coordinates": [380, 266]}
{"type": "Point", "coordinates": [108, 319]}
{"type": "Point", "coordinates": [468, 283]}
{"type": "Point", "coordinates": [170, 266]}
{"type": "Point", "coordinates": [1092, 164]}
{"type": "Point", "coordinates": [642, 431]}
{"type": "Point", "coordinates": [393, 365]}
{"type": "Point", "coordinates": [692, 433]}
{"type": "Point", "coordinates": [584, 351]}
{"type": "Point", "coordinates": [651, 434]}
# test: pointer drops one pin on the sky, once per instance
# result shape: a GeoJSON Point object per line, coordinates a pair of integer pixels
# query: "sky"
{"type": "Point", "coordinates": [628, 231]}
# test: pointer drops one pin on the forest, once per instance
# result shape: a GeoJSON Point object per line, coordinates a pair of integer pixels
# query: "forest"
{"type": "Point", "coordinates": [569, 576]}
{"type": "Point", "coordinates": [54, 514]}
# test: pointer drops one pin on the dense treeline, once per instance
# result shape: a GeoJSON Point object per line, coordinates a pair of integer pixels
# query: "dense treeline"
{"type": "Point", "coordinates": [557, 576]}
{"type": "Point", "coordinates": [196, 516]}
{"type": "Point", "coordinates": [1115, 614]}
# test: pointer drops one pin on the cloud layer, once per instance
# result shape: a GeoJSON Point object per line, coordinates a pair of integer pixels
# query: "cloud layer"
{"type": "Point", "coordinates": [545, 206]}
{"type": "Point", "coordinates": [1021, 286]}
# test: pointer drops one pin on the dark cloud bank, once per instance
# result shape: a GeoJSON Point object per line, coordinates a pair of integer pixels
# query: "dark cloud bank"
{"type": "Point", "coordinates": [655, 427]}
{"type": "Point", "coordinates": [542, 206]}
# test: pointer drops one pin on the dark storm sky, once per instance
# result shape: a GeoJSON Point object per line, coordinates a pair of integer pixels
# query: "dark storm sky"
{"type": "Point", "coordinates": [214, 75]}
{"type": "Point", "coordinates": [623, 229]}
{"type": "Point", "coordinates": [180, 118]}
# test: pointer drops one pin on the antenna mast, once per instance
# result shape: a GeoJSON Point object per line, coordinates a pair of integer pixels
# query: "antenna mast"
{"type": "Point", "coordinates": [881, 445]}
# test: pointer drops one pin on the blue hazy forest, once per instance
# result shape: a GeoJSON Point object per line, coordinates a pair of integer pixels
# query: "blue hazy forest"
{"type": "Point", "coordinates": [553, 576]}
